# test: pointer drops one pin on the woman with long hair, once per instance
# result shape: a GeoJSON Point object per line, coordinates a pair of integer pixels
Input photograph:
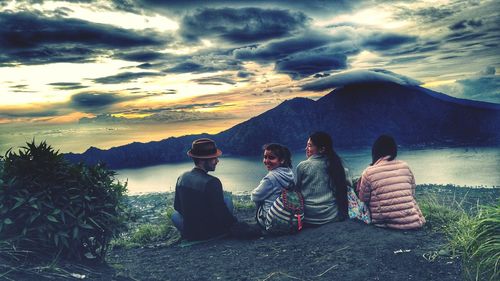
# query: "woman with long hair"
{"type": "Point", "coordinates": [323, 183]}
{"type": "Point", "coordinates": [388, 187]}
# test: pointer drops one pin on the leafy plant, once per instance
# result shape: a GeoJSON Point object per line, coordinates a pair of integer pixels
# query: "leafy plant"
{"type": "Point", "coordinates": [47, 203]}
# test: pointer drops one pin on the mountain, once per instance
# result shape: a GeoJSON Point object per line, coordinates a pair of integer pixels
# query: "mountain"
{"type": "Point", "coordinates": [354, 115]}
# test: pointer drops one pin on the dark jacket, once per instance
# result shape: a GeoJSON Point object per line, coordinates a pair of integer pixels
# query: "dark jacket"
{"type": "Point", "coordinates": [199, 199]}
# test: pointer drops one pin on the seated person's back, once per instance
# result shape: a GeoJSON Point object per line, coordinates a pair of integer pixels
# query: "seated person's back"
{"type": "Point", "coordinates": [201, 211]}
{"type": "Point", "coordinates": [388, 186]}
{"type": "Point", "coordinates": [322, 180]}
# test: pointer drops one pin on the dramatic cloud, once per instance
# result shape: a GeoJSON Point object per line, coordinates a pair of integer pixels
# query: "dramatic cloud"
{"type": "Point", "coordinates": [318, 7]}
{"type": "Point", "coordinates": [428, 14]}
{"type": "Point", "coordinates": [67, 85]}
{"type": "Point", "coordinates": [152, 93]}
{"type": "Point", "coordinates": [305, 54]}
{"type": "Point", "coordinates": [244, 25]}
{"type": "Point", "coordinates": [230, 56]}
{"type": "Point", "coordinates": [466, 23]}
{"type": "Point", "coordinates": [198, 106]}
{"type": "Point", "coordinates": [187, 67]}
{"type": "Point", "coordinates": [306, 64]}
{"type": "Point", "coordinates": [179, 113]}
{"type": "Point", "coordinates": [29, 113]}
{"type": "Point", "coordinates": [489, 70]}
{"type": "Point", "coordinates": [379, 41]}
{"type": "Point", "coordinates": [31, 38]}
{"type": "Point", "coordinates": [142, 56]}
{"type": "Point", "coordinates": [206, 63]}
{"type": "Point", "coordinates": [47, 54]}
{"type": "Point", "coordinates": [465, 36]}
{"type": "Point", "coordinates": [163, 116]}
{"type": "Point", "coordinates": [281, 48]}
{"type": "Point", "coordinates": [484, 86]}
{"type": "Point", "coordinates": [21, 88]}
{"type": "Point", "coordinates": [93, 101]}
{"type": "Point", "coordinates": [313, 52]}
{"type": "Point", "coordinates": [126, 77]}
{"type": "Point", "coordinates": [244, 74]}
{"type": "Point", "coordinates": [26, 30]}
{"type": "Point", "coordinates": [216, 80]}
{"type": "Point", "coordinates": [358, 77]}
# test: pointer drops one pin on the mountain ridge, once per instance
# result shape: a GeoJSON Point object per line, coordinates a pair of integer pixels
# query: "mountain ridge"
{"type": "Point", "coordinates": [353, 114]}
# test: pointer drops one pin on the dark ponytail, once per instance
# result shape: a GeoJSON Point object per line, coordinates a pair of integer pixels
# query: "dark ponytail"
{"type": "Point", "coordinates": [335, 169]}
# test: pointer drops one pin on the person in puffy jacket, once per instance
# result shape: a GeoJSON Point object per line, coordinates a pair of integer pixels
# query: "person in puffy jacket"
{"type": "Point", "coordinates": [388, 186]}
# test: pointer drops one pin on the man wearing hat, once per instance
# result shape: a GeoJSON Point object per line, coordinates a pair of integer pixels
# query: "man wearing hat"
{"type": "Point", "coordinates": [202, 212]}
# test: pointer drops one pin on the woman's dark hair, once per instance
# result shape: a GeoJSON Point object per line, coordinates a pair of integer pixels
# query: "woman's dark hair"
{"type": "Point", "coordinates": [281, 151]}
{"type": "Point", "coordinates": [335, 168]}
{"type": "Point", "coordinates": [384, 146]}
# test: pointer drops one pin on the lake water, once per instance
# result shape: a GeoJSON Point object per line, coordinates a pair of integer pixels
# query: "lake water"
{"type": "Point", "coordinates": [471, 166]}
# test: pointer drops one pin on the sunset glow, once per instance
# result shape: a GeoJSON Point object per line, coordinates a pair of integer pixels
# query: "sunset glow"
{"type": "Point", "coordinates": [146, 64]}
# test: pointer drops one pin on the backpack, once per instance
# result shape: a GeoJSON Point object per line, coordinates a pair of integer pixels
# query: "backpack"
{"type": "Point", "coordinates": [286, 215]}
{"type": "Point", "coordinates": [357, 208]}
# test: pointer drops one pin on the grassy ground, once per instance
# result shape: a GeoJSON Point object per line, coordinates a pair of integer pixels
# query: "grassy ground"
{"type": "Point", "coordinates": [470, 220]}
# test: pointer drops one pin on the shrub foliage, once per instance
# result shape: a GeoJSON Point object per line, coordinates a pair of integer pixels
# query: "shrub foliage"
{"type": "Point", "coordinates": [50, 205]}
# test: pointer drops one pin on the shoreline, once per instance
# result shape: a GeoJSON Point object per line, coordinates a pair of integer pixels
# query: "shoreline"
{"type": "Point", "coordinates": [419, 186]}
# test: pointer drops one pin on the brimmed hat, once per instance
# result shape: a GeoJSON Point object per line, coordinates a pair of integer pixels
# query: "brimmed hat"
{"type": "Point", "coordinates": [204, 149]}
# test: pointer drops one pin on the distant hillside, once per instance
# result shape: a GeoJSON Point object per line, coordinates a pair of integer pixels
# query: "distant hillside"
{"type": "Point", "coordinates": [354, 115]}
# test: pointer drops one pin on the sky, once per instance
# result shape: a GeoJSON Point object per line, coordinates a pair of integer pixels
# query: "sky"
{"type": "Point", "coordinates": [82, 73]}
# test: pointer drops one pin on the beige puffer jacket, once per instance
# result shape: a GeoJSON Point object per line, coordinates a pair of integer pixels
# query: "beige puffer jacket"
{"type": "Point", "coordinates": [389, 188]}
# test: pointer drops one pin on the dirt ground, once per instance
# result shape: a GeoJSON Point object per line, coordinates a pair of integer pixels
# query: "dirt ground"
{"type": "Point", "coordinates": [346, 250]}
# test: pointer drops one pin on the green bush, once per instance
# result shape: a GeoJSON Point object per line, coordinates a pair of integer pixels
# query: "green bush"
{"type": "Point", "coordinates": [50, 205]}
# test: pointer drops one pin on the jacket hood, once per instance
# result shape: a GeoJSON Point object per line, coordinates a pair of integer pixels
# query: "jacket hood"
{"type": "Point", "coordinates": [282, 176]}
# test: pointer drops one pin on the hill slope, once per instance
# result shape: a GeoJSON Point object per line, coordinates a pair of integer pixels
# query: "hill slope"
{"type": "Point", "coordinates": [354, 115]}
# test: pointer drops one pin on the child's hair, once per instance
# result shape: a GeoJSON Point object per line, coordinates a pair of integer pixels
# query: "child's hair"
{"type": "Point", "coordinates": [281, 151]}
{"type": "Point", "coordinates": [385, 145]}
